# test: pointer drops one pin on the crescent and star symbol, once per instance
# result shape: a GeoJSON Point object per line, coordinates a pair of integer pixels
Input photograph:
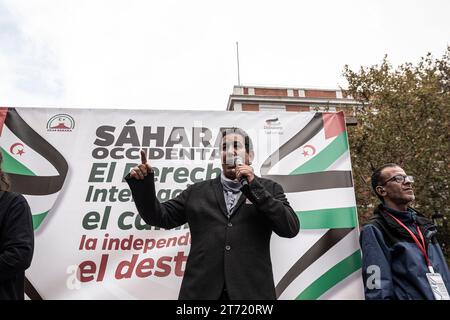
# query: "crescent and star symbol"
{"type": "Point", "coordinates": [308, 150]}
{"type": "Point", "coordinates": [17, 148]}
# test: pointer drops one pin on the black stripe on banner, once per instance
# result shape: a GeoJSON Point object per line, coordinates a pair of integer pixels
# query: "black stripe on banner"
{"type": "Point", "coordinates": [32, 185]}
{"type": "Point", "coordinates": [313, 181]}
{"type": "Point", "coordinates": [325, 243]}
{"type": "Point", "coordinates": [30, 291]}
{"type": "Point", "coordinates": [303, 136]}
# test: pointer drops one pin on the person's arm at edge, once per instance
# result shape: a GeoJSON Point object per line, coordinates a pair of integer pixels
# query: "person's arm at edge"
{"type": "Point", "coordinates": [17, 250]}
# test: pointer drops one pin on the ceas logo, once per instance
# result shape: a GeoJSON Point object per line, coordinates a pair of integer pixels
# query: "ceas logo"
{"type": "Point", "coordinates": [273, 126]}
{"type": "Point", "coordinates": [61, 122]}
{"type": "Point", "coordinates": [273, 122]}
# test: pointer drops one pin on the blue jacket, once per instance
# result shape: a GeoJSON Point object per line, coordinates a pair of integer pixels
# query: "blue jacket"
{"type": "Point", "coordinates": [402, 266]}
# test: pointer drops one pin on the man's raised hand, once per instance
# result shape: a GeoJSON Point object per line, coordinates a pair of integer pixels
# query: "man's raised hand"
{"type": "Point", "coordinates": [140, 171]}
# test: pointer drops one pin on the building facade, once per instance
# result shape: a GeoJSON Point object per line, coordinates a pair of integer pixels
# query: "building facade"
{"type": "Point", "coordinates": [259, 98]}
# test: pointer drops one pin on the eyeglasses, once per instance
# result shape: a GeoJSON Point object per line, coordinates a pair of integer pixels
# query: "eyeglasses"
{"type": "Point", "coordinates": [400, 178]}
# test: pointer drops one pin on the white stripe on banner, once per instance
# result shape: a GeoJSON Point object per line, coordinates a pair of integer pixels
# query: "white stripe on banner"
{"type": "Point", "coordinates": [322, 199]}
{"type": "Point", "coordinates": [30, 158]}
{"type": "Point", "coordinates": [296, 158]}
{"type": "Point", "coordinates": [281, 249]}
{"type": "Point", "coordinates": [337, 253]}
{"type": "Point", "coordinates": [342, 163]}
{"type": "Point", "coordinates": [40, 204]}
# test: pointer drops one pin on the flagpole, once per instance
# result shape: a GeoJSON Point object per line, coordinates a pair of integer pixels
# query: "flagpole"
{"type": "Point", "coordinates": [238, 73]}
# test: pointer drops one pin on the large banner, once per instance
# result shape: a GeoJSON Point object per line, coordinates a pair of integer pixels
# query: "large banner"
{"type": "Point", "coordinates": [90, 243]}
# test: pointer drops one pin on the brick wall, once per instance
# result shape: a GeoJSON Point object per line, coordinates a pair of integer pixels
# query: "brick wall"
{"type": "Point", "coordinates": [250, 107]}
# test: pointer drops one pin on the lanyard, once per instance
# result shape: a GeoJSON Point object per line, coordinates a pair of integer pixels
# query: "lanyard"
{"type": "Point", "coordinates": [420, 245]}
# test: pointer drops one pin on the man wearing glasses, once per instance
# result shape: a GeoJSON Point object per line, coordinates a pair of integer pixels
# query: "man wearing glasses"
{"type": "Point", "coordinates": [401, 256]}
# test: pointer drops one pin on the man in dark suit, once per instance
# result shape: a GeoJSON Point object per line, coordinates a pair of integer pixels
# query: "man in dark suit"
{"type": "Point", "coordinates": [16, 240]}
{"type": "Point", "coordinates": [231, 222]}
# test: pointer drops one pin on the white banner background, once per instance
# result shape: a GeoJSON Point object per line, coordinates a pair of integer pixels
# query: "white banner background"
{"type": "Point", "coordinates": [57, 247]}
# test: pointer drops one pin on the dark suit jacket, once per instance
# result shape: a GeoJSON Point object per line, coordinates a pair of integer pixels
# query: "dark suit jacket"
{"type": "Point", "coordinates": [16, 244]}
{"type": "Point", "coordinates": [234, 251]}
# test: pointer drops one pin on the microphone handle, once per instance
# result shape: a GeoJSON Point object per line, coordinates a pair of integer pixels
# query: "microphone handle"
{"type": "Point", "coordinates": [244, 181]}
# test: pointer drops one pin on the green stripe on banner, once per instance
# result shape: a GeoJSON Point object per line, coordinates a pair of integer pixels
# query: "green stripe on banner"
{"type": "Point", "coordinates": [328, 218]}
{"type": "Point", "coordinates": [38, 218]}
{"type": "Point", "coordinates": [11, 165]}
{"type": "Point", "coordinates": [326, 157]}
{"type": "Point", "coordinates": [332, 277]}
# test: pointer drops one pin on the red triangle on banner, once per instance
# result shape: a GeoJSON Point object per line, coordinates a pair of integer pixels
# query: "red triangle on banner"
{"type": "Point", "coordinates": [333, 123]}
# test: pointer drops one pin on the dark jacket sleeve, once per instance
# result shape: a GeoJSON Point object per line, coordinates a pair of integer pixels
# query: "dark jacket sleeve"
{"type": "Point", "coordinates": [376, 264]}
{"type": "Point", "coordinates": [167, 215]}
{"type": "Point", "coordinates": [16, 249]}
{"type": "Point", "coordinates": [275, 207]}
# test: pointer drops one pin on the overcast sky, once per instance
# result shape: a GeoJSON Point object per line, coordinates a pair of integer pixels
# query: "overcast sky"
{"type": "Point", "coordinates": [182, 54]}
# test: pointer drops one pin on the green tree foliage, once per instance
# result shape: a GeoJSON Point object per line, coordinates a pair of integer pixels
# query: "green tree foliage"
{"type": "Point", "coordinates": [405, 119]}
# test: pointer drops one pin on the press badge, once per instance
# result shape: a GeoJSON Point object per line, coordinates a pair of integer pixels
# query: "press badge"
{"type": "Point", "coordinates": [437, 286]}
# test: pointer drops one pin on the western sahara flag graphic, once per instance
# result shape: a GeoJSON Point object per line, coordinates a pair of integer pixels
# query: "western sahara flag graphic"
{"type": "Point", "coordinates": [318, 183]}
{"type": "Point", "coordinates": [34, 167]}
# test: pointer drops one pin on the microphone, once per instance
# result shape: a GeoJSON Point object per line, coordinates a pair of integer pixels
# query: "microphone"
{"type": "Point", "coordinates": [238, 162]}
